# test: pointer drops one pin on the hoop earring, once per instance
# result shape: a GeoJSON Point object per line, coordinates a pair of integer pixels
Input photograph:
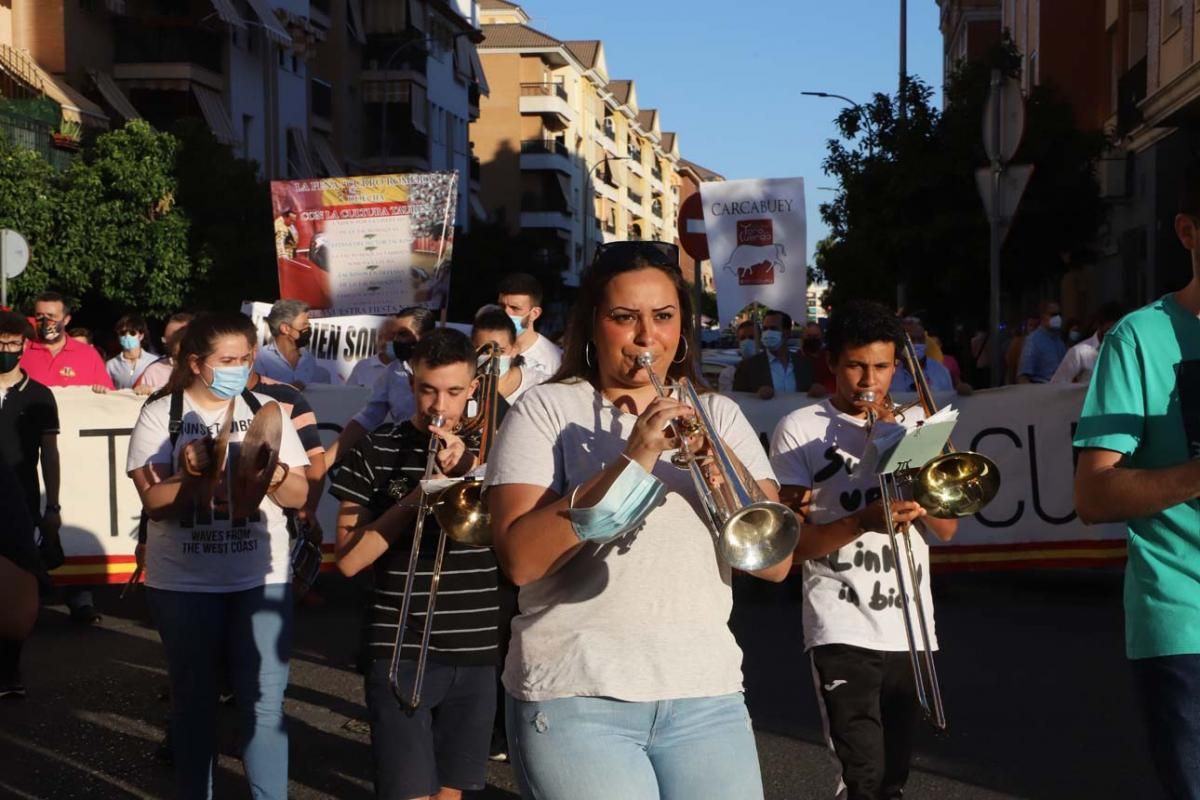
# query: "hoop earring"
{"type": "Point", "coordinates": [587, 354]}
{"type": "Point", "coordinates": [685, 352]}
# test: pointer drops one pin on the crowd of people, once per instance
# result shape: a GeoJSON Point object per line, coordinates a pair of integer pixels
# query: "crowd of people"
{"type": "Point", "coordinates": [601, 612]}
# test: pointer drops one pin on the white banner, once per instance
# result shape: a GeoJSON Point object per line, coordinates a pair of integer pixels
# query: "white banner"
{"type": "Point", "coordinates": [337, 342]}
{"type": "Point", "coordinates": [1026, 430]}
{"type": "Point", "coordinates": [758, 244]}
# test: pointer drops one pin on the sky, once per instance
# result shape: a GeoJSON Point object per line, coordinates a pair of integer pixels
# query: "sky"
{"type": "Point", "coordinates": [727, 76]}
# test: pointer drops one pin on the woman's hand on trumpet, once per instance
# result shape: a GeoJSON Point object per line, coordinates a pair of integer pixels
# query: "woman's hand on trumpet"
{"type": "Point", "coordinates": [872, 518]}
{"type": "Point", "coordinates": [653, 432]}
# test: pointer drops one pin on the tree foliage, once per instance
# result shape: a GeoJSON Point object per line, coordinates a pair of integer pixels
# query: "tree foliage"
{"type": "Point", "coordinates": [106, 226]}
{"type": "Point", "coordinates": [908, 208]}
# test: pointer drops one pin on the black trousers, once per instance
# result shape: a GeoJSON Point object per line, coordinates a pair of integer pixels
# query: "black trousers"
{"type": "Point", "coordinates": [870, 710]}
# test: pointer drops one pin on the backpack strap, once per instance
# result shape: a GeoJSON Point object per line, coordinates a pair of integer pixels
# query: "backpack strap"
{"type": "Point", "coordinates": [174, 426]}
{"type": "Point", "coordinates": [249, 399]}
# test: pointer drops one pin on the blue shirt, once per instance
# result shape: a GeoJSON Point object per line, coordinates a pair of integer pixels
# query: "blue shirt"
{"type": "Point", "coordinates": [391, 395]}
{"type": "Point", "coordinates": [271, 364]}
{"type": "Point", "coordinates": [1043, 351]}
{"type": "Point", "coordinates": [936, 375]}
{"type": "Point", "coordinates": [1144, 402]}
{"type": "Point", "coordinates": [783, 375]}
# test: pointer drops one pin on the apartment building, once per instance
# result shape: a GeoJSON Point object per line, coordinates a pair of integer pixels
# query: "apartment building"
{"type": "Point", "coordinates": [301, 87]}
{"type": "Point", "coordinates": [969, 29]}
{"type": "Point", "coordinates": [569, 158]}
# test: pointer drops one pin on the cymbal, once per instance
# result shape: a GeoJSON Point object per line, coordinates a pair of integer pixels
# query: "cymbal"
{"type": "Point", "coordinates": [257, 458]}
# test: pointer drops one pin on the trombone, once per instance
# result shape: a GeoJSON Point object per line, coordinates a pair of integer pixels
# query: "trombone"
{"type": "Point", "coordinates": [952, 485]}
{"type": "Point", "coordinates": [413, 700]}
{"type": "Point", "coordinates": [752, 532]}
{"type": "Point", "coordinates": [459, 509]}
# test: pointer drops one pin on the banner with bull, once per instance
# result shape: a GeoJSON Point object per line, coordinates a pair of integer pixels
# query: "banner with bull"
{"type": "Point", "coordinates": [365, 245]}
{"type": "Point", "coordinates": [757, 240]}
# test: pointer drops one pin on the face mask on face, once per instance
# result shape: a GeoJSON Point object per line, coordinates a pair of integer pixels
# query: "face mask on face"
{"type": "Point", "coordinates": [130, 342]}
{"type": "Point", "coordinates": [748, 347]}
{"type": "Point", "coordinates": [771, 340]}
{"type": "Point", "coordinates": [49, 330]}
{"type": "Point", "coordinates": [503, 363]}
{"type": "Point", "coordinates": [304, 338]}
{"type": "Point", "coordinates": [519, 322]}
{"type": "Point", "coordinates": [9, 361]}
{"type": "Point", "coordinates": [1056, 322]}
{"type": "Point", "coordinates": [228, 382]}
{"type": "Point", "coordinates": [1074, 336]}
{"type": "Point", "coordinates": [403, 350]}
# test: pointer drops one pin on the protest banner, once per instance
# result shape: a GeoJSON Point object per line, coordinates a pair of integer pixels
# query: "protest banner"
{"type": "Point", "coordinates": [758, 243]}
{"type": "Point", "coordinates": [1026, 430]}
{"type": "Point", "coordinates": [365, 245]}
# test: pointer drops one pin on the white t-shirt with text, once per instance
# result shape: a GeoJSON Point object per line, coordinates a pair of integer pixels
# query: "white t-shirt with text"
{"type": "Point", "coordinates": [851, 595]}
{"type": "Point", "coordinates": [204, 550]}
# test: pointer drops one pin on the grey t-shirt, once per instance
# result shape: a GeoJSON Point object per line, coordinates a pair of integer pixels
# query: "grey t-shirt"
{"type": "Point", "coordinates": [644, 617]}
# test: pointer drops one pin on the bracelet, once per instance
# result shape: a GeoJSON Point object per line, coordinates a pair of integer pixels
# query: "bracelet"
{"type": "Point", "coordinates": [53, 508]}
{"type": "Point", "coordinates": [571, 499]}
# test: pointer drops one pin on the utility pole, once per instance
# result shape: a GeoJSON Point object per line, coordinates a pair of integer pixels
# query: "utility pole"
{"type": "Point", "coordinates": [901, 289]}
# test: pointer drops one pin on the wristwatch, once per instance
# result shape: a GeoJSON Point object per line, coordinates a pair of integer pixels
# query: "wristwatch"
{"type": "Point", "coordinates": [53, 508]}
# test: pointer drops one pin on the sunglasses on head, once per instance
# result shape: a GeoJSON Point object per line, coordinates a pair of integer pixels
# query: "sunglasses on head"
{"type": "Point", "coordinates": [664, 253]}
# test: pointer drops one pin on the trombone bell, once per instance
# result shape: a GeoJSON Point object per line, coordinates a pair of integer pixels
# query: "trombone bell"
{"type": "Point", "coordinates": [462, 514]}
{"type": "Point", "coordinates": [956, 484]}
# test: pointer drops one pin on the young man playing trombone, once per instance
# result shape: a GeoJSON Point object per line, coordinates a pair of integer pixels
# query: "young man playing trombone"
{"type": "Point", "coordinates": [439, 748]}
{"type": "Point", "coordinates": [853, 617]}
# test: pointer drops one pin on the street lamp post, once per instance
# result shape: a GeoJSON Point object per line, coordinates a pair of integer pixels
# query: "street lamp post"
{"type": "Point", "coordinates": [862, 112]}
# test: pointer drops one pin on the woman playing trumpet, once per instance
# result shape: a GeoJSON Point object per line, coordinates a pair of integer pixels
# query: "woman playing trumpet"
{"type": "Point", "coordinates": [623, 677]}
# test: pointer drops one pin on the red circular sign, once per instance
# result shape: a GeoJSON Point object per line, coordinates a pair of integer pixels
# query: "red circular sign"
{"type": "Point", "coordinates": [691, 228]}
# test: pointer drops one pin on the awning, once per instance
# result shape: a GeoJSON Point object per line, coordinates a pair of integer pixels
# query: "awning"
{"type": "Point", "coordinates": [355, 14]}
{"type": "Point", "coordinates": [271, 24]}
{"type": "Point", "coordinates": [299, 158]}
{"type": "Point", "coordinates": [477, 70]}
{"type": "Point", "coordinates": [386, 16]}
{"type": "Point", "coordinates": [462, 57]}
{"type": "Point", "coordinates": [75, 107]}
{"type": "Point", "coordinates": [228, 13]}
{"type": "Point", "coordinates": [325, 155]}
{"type": "Point", "coordinates": [113, 95]}
{"type": "Point", "coordinates": [215, 114]}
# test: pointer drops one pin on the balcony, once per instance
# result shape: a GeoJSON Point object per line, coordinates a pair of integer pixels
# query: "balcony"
{"type": "Point", "coordinates": [555, 220]}
{"type": "Point", "coordinates": [406, 147]}
{"type": "Point", "coordinates": [548, 100]}
{"type": "Point", "coordinates": [636, 199]}
{"type": "Point", "coordinates": [656, 171]}
{"type": "Point", "coordinates": [551, 154]}
{"type": "Point", "coordinates": [635, 164]}
{"type": "Point", "coordinates": [155, 54]}
{"type": "Point", "coordinates": [390, 59]}
{"type": "Point", "coordinates": [1131, 91]}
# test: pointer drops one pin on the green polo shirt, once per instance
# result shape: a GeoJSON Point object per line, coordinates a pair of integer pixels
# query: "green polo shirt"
{"type": "Point", "coordinates": [1144, 402]}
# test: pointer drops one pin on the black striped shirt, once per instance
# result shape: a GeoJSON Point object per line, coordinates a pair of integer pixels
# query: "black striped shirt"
{"type": "Point", "coordinates": [466, 612]}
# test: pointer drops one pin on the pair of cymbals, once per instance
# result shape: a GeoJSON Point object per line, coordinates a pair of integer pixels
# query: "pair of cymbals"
{"type": "Point", "coordinates": [258, 455]}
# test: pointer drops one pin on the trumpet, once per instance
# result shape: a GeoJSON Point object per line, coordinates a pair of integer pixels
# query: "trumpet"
{"type": "Point", "coordinates": [459, 509]}
{"type": "Point", "coordinates": [954, 484]}
{"type": "Point", "coordinates": [412, 700]}
{"type": "Point", "coordinates": [752, 532]}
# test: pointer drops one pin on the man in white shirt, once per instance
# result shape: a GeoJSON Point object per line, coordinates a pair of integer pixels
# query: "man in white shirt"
{"type": "Point", "coordinates": [287, 359]}
{"type": "Point", "coordinates": [367, 371]}
{"type": "Point", "coordinates": [1080, 360]}
{"type": "Point", "coordinates": [521, 299]}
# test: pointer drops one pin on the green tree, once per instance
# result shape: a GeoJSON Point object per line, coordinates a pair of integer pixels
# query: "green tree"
{"type": "Point", "coordinates": [908, 209]}
{"type": "Point", "coordinates": [113, 232]}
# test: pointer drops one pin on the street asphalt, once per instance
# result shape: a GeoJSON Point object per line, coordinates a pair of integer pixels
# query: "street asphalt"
{"type": "Point", "coordinates": [1038, 695]}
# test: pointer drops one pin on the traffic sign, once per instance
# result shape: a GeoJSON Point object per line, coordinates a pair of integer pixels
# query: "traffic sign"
{"type": "Point", "coordinates": [691, 228]}
{"type": "Point", "coordinates": [14, 252]}
{"type": "Point", "coordinates": [1003, 119]}
{"type": "Point", "coordinates": [1002, 194]}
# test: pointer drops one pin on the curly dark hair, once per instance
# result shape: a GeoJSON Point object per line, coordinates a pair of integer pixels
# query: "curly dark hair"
{"type": "Point", "coordinates": [861, 322]}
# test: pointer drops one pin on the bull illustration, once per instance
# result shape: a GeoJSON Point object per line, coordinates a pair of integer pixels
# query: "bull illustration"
{"type": "Point", "coordinates": [756, 264]}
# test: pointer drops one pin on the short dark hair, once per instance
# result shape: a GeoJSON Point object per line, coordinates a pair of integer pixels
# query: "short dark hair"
{"type": "Point", "coordinates": [493, 318]}
{"type": "Point", "coordinates": [786, 317]}
{"type": "Point", "coordinates": [861, 322]}
{"type": "Point", "coordinates": [132, 322]}
{"type": "Point", "coordinates": [424, 319]}
{"type": "Point", "coordinates": [13, 323]}
{"type": "Point", "coordinates": [80, 333]}
{"type": "Point", "coordinates": [521, 283]}
{"type": "Point", "coordinates": [1110, 312]}
{"type": "Point", "coordinates": [443, 347]}
{"type": "Point", "coordinates": [53, 297]}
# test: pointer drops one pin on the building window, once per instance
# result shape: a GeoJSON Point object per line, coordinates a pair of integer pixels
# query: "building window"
{"type": "Point", "coordinates": [1172, 19]}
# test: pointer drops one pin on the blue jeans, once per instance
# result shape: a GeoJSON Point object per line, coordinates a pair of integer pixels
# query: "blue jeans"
{"type": "Point", "coordinates": [1170, 690]}
{"type": "Point", "coordinates": [594, 748]}
{"type": "Point", "coordinates": [249, 633]}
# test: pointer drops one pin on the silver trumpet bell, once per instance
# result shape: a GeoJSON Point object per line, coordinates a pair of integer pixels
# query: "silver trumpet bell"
{"type": "Point", "coordinates": [752, 532]}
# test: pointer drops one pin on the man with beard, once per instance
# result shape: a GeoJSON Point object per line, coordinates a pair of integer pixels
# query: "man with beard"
{"type": "Point", "coordinates": [55, 359]}
{"type": "Point", "coordinates": [287, 359]}
{"type": "Point", "coordinates": [521, 299]}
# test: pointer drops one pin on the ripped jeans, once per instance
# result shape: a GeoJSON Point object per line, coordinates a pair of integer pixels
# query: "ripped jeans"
{"type": "Point", "coordinates": [595, 748]}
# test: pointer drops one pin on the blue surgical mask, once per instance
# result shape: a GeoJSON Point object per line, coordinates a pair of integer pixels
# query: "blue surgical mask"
{"type": "Point", "coordinates": [748, 347]}
{"type": "Point", "coordinates": [504, 363]}
{"type": "Point", "coordinates": [228, 382]}
{"type": "Point", "coordinates": [771, 340]}
{"type": "Point", "coordinates": [130, 342]}
{"type": "Point", "coordinates": [519, 323]}
{"type": "Point", "coordinates": [623, 508]}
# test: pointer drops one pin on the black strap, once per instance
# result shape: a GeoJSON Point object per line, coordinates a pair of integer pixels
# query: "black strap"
{"type": "Point", "coordinates": [174, 426]}
{"type": "Point", "coordinates": [249, 399]}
